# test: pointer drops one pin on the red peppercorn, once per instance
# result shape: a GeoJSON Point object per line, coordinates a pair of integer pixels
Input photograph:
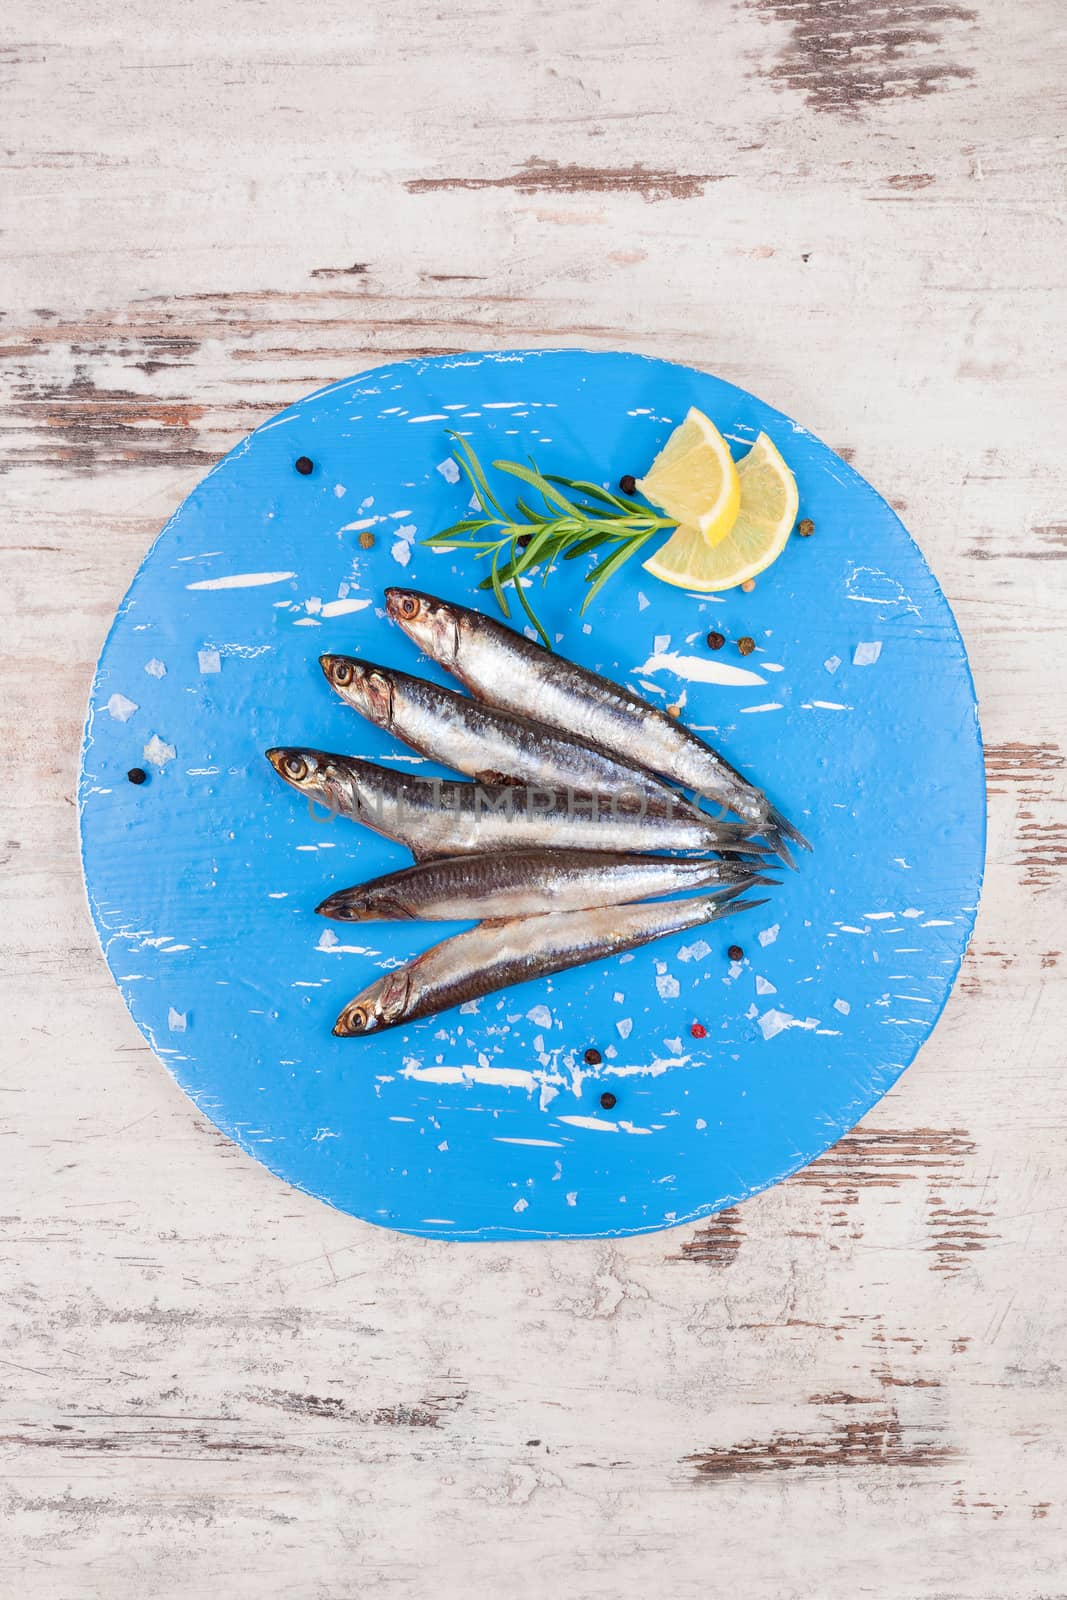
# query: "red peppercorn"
{"type": "Point", "coordinates": [699, 1031]}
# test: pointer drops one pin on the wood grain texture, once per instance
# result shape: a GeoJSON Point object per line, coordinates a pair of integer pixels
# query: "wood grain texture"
{"type": "Point", "coordinates": [850, 1385]}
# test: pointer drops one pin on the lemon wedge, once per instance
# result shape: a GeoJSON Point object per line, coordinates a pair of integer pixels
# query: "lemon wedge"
{"type": "Point", "coordinates": [769, 504]}
{"type": "Point", "coordinates": [694, 478]}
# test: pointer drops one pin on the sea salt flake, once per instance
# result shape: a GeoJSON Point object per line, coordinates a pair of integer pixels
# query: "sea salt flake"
{"type": "Point", "coordinates": [449, 470]}
{"type": "Point", "coordinates": [832, 663]}
{"type": "Point", "coordinates": [401, 552]}
{"type": "Point", "coordinates": [157, 753]}
{"type": "Point", "coordinates": [695, 952]}
{"type": "Point", "coordinates": [643, 601]}
{"type": "Point", "coordinates": [155, 668]}
{"type": "Point", "coordinates": [209, 661]}
{"type": "Point", "coordinates": [774, 1022]}
{"type": "Point", "coordinates": [865, 655]}
{"type": "Point", "coordinates": [540, 1016]}
{"type": "Point", "coordinates": [176, 1020]}
{"type": "Point", "coordinates": [520, 1205]}
{"type": "Point", "coordinates": [769, 935]}
{"type": "Point", "coordinates": [842, 1006]}
{"type": "Point", "coordinates": [624, 1027]}
{"type": "Point", "coordinates": [763, 987]}
{"type": "Point", "coordinates": [121, 708]}
{"type": "Point", "coordinates": [668, 986]}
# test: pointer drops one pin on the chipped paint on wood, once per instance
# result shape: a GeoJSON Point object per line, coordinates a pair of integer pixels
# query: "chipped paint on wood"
{"type": "Point", "coordinates": [537, 176]}
{"type": "Point", "coordinates": [847, 56]}
{"type": "Point", "coordinates": [875, 1441]}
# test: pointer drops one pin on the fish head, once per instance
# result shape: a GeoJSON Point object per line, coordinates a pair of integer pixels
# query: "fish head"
{"type": "Point", "coordinates": [433, 624]}
{"type": "Point", "coordinates": [311, 772]}
{"type": "Point", "coordinates": [379, 1006]}
{"type": "Point", "coordinates": [364, 686]}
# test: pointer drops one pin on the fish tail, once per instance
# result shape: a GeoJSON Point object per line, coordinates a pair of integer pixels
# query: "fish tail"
{"type": "Point", "coordinates": [784, 829]}
{"type": "Point", "coordinates": [720, 909]}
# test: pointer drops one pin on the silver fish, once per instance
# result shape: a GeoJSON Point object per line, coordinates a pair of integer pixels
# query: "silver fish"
{"type": "Point", "coordinates": [523, 883]}
{"type": "Point", "coordinates": [498, 954]}
{"type": "Point", "coordinates": [507, 669]}
{"type": "Point", "coordinates": [443, 817]}
{"type": "Point", "coordinates": [485, 742]}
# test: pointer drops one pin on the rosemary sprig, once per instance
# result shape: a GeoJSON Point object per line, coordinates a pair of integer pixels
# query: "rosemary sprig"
{"type": "Point", "coordinates": [573, 518]}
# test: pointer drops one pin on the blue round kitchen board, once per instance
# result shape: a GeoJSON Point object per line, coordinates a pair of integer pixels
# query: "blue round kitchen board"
{"type": "Point", "coordinates": [856, 711]}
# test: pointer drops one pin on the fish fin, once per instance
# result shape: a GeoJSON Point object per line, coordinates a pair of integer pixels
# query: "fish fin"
{"type": "Point", "coordinates": [497, 780]}
{"type": "Point", "coordinates": [423, 852]}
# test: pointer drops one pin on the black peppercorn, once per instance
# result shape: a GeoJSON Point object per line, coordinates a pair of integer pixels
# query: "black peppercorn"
{"type": "Point", "coordinates": [736, 953]}
{"type": "Point", "coordinates": [304, 465]}
{"type": "Point", "coordinates": [607, 1099]}
{"type": "Point", "coordinates": [627, 483]}
{"type": "Point", "coordinates": [137, 775]}
{"type": "Point", "coordinates": [716, 641]}
{"type": "Point", "coordinates": [593, 1058]}
{"type": "Point", "coordinates": [523, 540]}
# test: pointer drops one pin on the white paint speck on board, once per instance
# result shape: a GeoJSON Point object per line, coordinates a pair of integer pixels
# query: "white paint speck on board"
{"type": "Point", "coordinates": [344, 608]}
{"type": "Point", "coordinates": [177, 1021]}
{"type": "Point", "coordinates": [572, 1197]}
{"type": "Point", "coordinates": [209, 661]}
{"type": "Point", "coordinates": [912, 912]}
{"type": "Point", "coordinates": [339, 490]}
{"type": "Point", "coordinates": [156, 668]}
{"type": "Point", "coordinates": [242, 580]}
{"type": "Point", "coordinates": [401, 552]}
{"type": "Point", "coordinates": [121, 708]}
{"type": "Point", "coordinates": [699, 669]}
{"type": "Point", "coordinates": [157, 752]}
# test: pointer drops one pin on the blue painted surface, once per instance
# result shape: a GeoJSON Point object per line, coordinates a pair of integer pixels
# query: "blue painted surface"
{"type": "Point", "coordinates": [202, 881]}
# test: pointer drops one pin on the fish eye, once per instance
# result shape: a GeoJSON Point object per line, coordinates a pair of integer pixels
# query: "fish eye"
{"type": "Point", "coordinates": [342, 672]}
{"type": "Point", "coordinates": [356, 1018]}
{"type": "Point", "coordinates": [296, 768]}
{"type": "Point", "coordinates": [409, 606]}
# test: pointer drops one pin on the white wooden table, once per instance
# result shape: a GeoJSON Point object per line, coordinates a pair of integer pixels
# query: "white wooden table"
{"type": "Point", "coordinates": [852, 1385]}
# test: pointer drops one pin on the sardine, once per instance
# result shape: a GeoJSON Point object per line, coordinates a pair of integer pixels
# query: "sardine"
{"type": "Point", "coordinates": [506, 669]}
{"type": "Point", "coordinates": [445, 817]}
{"type": "Point", "coordinates": [523, 883]}
{"type": "Point", "coordinates": [485, 742]}
{"type": "Point", "coordinates": [498, 954]}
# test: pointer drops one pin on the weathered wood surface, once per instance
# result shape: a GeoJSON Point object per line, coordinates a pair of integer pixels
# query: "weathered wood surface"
{"type": "Point", "coordinates": [850, 1385]}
